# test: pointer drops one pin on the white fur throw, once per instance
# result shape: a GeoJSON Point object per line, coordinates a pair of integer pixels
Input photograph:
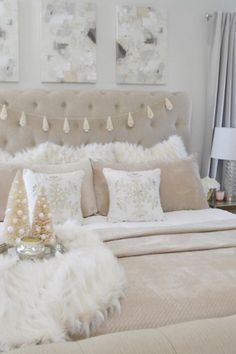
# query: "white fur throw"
{"type": "Point", "coordinates": [48, 301]}
{"type": "Point", "coordinates": [51, 153]}
{"type": "Point", "coordinates": [166, 151]}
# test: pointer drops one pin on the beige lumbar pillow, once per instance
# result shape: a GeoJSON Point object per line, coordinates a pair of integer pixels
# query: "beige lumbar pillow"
{"type": "Point", "coordinates": [180, 187]}
{"type": "Point", "coordinates": [134, 196]}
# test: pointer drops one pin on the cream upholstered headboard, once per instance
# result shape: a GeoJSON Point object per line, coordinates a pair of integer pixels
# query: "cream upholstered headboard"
{"type": "Point", "coordinates": [96, 106]}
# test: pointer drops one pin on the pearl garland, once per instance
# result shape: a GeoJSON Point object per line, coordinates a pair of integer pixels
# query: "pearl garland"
{"type": "Point", "coordinates": [21, 232]}
{"type": "Point", "coordinates": [10, 229]}
{"type": "Point", "coordinates": [41, 215]}
{"type": "Point", "coordinates": [19, 212]}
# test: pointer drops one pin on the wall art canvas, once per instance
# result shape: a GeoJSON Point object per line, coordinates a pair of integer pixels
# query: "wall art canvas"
{"type": "Point", "coordinates": [68, 41]}
{"type": "Point", "coordinates": [9, 69]}
{"type": "Point", "coordinates": [141, 45]}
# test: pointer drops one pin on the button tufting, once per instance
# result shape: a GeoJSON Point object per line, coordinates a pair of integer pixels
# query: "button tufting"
{"type": "Point", "coordinates": [142, 105]}
{"type": "Point", "coordinates": [63, 105]}
{"type": "Point", "coordinates": [90, 106]}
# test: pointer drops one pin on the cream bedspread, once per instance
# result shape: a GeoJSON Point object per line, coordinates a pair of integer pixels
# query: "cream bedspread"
{"type": "Point", "coordinates": [175, 274]}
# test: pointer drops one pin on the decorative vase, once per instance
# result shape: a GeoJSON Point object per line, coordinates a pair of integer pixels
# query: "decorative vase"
{"type": "Point", "coordinates": [30, 248]}
{"type": "Point", "coordinates": [220, 196]}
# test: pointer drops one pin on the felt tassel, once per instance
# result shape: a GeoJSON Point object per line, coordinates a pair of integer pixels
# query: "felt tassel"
{"type": "Point", "coordinates": [168, 104]}
{"type": "Point", "coordinates": [150, 113]}
{"type": "Point", "coordinates": [45, 125]}
{"type": "Point", "coordinates": [86, 126]}
{"type": "Point", "coordinates": [3, 114]}
{"type": "Point", "coordinates": [109, 126]}
{"type": "Point", "coordinates": [66, 126]}
{"type": "Point", "coordinates": [130, 120]}
{"type": "Point", "coordinates": [22, 120]}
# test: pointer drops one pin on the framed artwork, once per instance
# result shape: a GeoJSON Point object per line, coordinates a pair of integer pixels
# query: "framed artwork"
{"type": "Point", "coordinates": [141, 45]}
{"type": "Point", "coordinates": [9, 66]}
{"type": "Point", "coordinates": [68, 41]}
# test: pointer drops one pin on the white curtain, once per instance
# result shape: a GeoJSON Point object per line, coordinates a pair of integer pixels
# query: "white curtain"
{"type": "Point", "coordinates": [221, 84]}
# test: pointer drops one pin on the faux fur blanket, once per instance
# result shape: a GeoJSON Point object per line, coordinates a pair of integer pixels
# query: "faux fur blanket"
{"type": "Point", "coordinates": [51, 300]}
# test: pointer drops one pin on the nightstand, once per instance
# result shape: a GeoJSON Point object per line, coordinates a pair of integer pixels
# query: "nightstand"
{"type": "Point", "coordinates": [225, 205]}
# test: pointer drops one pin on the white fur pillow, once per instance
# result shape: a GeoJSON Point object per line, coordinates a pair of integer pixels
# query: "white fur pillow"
{"type": "Point", "coordinates": [55, 154]}
{"type": "Point", "coordinates": [134, 196]}
{"type": "Point", "coordinates": [63, 191]}
{"type": "Point", "coordinates": [166, 151]}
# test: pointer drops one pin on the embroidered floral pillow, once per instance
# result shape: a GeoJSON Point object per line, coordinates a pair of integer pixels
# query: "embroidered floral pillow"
{"type": "Point", "coordinates": [134, 196]}
{"type": "Point", "coordinates": [63, 190]}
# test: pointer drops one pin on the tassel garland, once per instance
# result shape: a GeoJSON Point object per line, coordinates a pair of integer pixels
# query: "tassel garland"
{"type": "Point", "coordinates": [3, 114]}
{"type": "Point", "coordinates": [66, 126]}
{"type": "Point", "coordinates": [109, 125]}
{"type": "Point", "coordinates": [45, 125]}
{"type": "Point", "coordinates": [130, 120]}
{"type": "Point", "coordinates": [22, 120]}
{"type": "Point", "coordinates": [168, 104]}
{"type": "Point", "coordinates": [86, 126]}
{"type": "Point", "coordinates": [150, 113]}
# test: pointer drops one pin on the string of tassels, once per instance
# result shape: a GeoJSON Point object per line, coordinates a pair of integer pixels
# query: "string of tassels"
{"type": "Point", "coordinates": [86, 125]}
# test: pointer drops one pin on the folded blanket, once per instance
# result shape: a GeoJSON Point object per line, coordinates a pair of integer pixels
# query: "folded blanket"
{"type": "Point", "coordinates": [174, 274]}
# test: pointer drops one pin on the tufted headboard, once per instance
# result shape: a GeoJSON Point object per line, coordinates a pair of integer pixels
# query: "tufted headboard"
{"type": "Point", "coordinates": [96, 106]}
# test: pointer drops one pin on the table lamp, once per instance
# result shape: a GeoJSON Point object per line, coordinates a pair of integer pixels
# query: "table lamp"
{"type": "Point", "coordinates": [224, 148]}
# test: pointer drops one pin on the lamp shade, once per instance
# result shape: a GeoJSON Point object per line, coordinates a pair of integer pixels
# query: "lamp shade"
{"type": "Point", "coordinates": [224, 144]}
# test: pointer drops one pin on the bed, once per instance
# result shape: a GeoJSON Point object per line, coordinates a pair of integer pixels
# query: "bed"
{"type": "Point", "coordinates": [183, 269]}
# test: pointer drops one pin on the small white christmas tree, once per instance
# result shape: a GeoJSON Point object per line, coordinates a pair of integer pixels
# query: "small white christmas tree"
{"type": "Point", "coordinates": [16, 222]}
{"type": "Point", "coordinates": [42, 222]}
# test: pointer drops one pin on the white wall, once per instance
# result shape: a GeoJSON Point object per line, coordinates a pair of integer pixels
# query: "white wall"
{"type": "Point", "coordinates": [187, 49]}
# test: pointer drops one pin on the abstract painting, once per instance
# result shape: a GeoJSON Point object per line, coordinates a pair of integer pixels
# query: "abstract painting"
{"type": "Point", "coordinates": [9, 69]}
{"type": "Point", "coordinates": [68, 41]}
{"type": "Point", "coordinates": [141, 45]}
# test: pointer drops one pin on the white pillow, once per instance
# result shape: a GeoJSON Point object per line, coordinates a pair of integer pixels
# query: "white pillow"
{"type": "Point", "coordinates": [63, 191]}
{"type": "Point", "coordinates": [169, 150]}
{"type": "Point", "coordinates": [48, 152]}
{"type": "Point", "coordinates": [134, 196]}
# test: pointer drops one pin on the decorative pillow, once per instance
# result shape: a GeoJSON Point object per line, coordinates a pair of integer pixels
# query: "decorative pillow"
{"type": "Point", "coordinates": [180, 187]}
{"type": "Point", "coordinates": [88, 199]}
{"type": "Point", "coordinates": [169, 150]}
{"type": "Point", "coordinates": [50, 153]}
{"type": "Point", "coordinates": [134, 196]}
{"type": "Point", "coordinates": [63, 190]}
